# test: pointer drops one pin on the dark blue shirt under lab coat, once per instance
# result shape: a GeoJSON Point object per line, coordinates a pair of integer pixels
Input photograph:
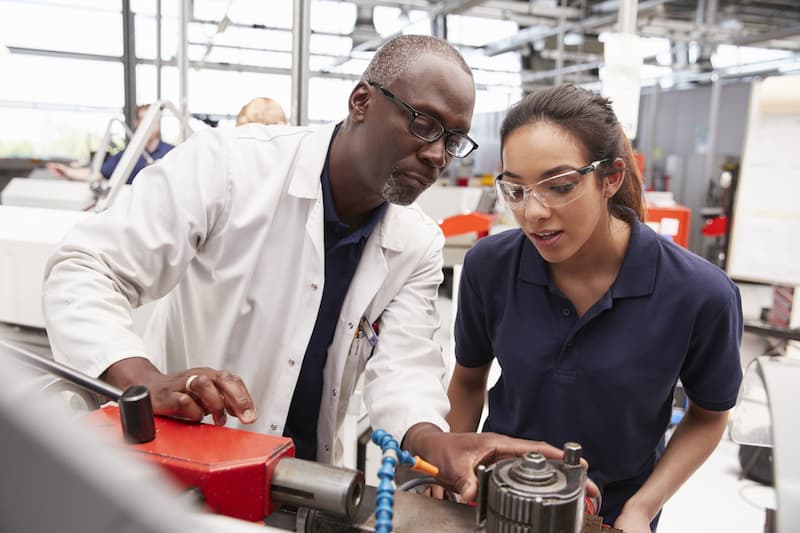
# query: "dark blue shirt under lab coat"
{"type": "Point", "coordinates": [111, 162]}
{"type": "Point", "coordinates": [343, 249]}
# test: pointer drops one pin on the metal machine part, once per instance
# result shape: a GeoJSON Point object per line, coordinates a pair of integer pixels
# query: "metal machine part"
{"type": "Point", "coordinates": [318, 486]}
{"type": "Point", "coordinates": [532, 494]}
{"type": "Point", "coordinates": [412, 513]}
{"type": "Point", "coordinates": [135, 408]}
{"type": "Point", "coordinates": [525, 495]}
{"type": "Point", "coordinates": [240, 473]}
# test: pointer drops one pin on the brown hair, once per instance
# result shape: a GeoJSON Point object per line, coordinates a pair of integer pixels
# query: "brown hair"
{"type": "Point", "coordinates": [590, 118]}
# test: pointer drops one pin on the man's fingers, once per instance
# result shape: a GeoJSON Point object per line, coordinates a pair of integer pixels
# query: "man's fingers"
{"type": "Point", "coordinates": [236, 398]}
{"type": "Point", "coordinates": [178, 405]}
{"type": "Point", "coordinates": [205, 392]}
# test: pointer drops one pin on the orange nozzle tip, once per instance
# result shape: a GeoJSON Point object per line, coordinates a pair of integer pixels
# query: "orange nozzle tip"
{"type": "Point", "coordinates": [425, 467]}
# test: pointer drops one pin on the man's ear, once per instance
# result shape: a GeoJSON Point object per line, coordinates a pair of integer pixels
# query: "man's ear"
{"type": "Point", "coordinates": [612, 182]}
{"type": "Point", "coordinates": [359, 101]}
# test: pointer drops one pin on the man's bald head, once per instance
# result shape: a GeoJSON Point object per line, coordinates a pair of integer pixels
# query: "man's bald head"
{"type": "Point", "coordinates": [261, 110]}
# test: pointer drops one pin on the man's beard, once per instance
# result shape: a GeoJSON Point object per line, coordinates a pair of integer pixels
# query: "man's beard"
{"type": "Point", "coordinates": [396, 192]}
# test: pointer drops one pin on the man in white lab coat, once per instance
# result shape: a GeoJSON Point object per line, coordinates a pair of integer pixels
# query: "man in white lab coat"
{"type": "Point", "coordinates": [290, 261]}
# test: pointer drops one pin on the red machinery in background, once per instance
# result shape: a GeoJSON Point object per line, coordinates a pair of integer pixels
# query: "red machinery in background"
{"type": "Point", "coordinates": [673, 222]}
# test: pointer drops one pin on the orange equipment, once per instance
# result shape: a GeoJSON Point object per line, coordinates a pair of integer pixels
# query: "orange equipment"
{"type": "Point", "coordinates": [471, 222]}
{"type": "Point", "coordinates": [680, 213]}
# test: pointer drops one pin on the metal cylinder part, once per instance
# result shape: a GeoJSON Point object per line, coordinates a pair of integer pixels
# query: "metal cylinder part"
{"type": "Point", "coordinates": [318, 486]}
{"type": "Point", "coordinates": [532, 494]}
{"type": "Point", "coordinates": [572, 453]}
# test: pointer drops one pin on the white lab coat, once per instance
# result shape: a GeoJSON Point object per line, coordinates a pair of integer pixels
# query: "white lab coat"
{"type": "Point", "coordinates": [229, 226]}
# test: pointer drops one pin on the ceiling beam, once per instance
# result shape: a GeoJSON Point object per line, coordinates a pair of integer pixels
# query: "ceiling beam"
{"type": "Point", "coordinates": [780, 33]}
{"type": "Point", "coordinates": [454, 7]}
{"type": "Point", "coordinates": [536, 33]}
{"type": "Point", "coordinates": [531, 77]}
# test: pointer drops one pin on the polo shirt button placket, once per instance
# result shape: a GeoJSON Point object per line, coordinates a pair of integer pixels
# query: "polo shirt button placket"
{"type": "Point", "coordinates": [566, 312]}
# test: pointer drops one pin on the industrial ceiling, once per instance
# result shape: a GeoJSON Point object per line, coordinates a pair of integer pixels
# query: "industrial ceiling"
{"type": "Point", "coordinates": [558, 39]}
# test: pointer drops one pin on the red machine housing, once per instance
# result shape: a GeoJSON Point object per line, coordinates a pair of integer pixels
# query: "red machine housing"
{"type": "Point", "coordinates": [232, 468]}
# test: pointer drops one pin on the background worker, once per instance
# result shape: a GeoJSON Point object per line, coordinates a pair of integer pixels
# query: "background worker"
{"type": "Point", "coordinates": [156, 148]}
{"type": "Point", "coordinates": [261, 110]}
{"type": "Point", "coordinates": [591, 315]}
{"type": "Point", "coordinates": [290, 262]}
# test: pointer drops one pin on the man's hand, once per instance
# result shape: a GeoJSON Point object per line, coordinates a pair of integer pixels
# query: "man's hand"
{"type": "Point", "coordinates": [457, 455]}
{"type": "Point", "coordinates": [209, 391]}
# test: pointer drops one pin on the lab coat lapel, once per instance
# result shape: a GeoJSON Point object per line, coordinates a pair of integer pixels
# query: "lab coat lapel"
{"type": "Point", "coordinates": [305, 182]}
{"type": "Point", "coordinates": [369, 276]}
{"type": "Point", "coordinates": [373, 268]}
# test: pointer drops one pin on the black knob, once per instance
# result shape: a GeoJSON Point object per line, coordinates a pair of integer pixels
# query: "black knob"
{"type": "Point", "coordinates": [136, 414]}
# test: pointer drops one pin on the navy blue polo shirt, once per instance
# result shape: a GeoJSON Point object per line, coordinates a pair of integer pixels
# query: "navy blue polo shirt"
{"type": "Point", "coordinates": [343, 248]}
{"type": "Point", "coordinates": [111, 162]}
{"type": "Point", "coordinates": [605, 379]}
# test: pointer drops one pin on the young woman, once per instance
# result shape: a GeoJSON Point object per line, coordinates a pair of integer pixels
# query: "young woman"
{"type": "Point", "coordinates": [592, 316]}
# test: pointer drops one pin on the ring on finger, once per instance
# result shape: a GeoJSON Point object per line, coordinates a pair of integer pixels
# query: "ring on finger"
{"type": "Point", "coordinates": [189, 382]}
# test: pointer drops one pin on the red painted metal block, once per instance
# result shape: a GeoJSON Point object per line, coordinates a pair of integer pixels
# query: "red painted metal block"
{"type": "Point", "coordinates": [231, 467]}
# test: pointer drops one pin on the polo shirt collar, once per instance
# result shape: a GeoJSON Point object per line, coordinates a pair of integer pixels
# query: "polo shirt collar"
{"type": "Point", "coordinates": [636, 277]}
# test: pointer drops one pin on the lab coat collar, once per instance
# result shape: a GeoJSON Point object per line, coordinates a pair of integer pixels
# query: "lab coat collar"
{"type": "Point", "coordinates": [305, 183]}
{"type": "Point", "coordinates": [390, 233]}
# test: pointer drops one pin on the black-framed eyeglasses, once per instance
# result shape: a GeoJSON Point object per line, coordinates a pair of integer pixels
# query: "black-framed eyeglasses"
{"type": "Point", "coordinates": [429, 129]}
{"type": "Point", "coordinates": [554, 191]}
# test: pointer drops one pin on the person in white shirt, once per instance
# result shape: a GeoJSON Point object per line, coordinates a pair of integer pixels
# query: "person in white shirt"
{"type": "Point", "coordinates": [289, 261]}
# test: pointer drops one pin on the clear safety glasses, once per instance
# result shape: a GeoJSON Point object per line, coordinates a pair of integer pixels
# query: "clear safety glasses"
{"type": "Point", "coordinates": [550, 192]}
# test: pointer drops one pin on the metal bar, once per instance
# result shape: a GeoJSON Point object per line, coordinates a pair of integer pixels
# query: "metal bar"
{"type": "Point", "coordinates": [54, 367]}
{"type": "Point", "coordinates": [767, 330]}
{"type": "Point", "coordinates": [227, 67]}
{"type": "Point", "coordinates": [544, 75]}
{"type": "Point", "coordinates": [183, 65]}
{"type": "Point", "coordinates": [560, 51]}
{"type": "Point", "coordinates": [713, 122]}
{"type": "Point", "coordinates": [61, 54]}
{"type": "Point", "coordinates": [700, 13]}
{"type": "Point", "coordinates": [782, 33]}
{"type": "Point", "coordinates": [628, 12]}
{"type": "Point", "coordinates": [537, 32]}
{"type": "Point", "coordinates": [135, 148]}
{"type": "Point", "coordinates": [99, 155]}
{"type": "Point", "coordinates": [653, 121]}
{"type": "Point", "coordinates": [446, 7]}
{"type": "Point", "coordinates": [301, 37]}
{"type": "Point", "coordinates": [158, 50]}
{"type": "Point", "coordinates": [129, 60]}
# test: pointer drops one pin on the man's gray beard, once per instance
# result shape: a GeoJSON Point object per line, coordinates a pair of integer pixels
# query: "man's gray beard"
{"type": "Point", "coordinates": [397, 193]}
